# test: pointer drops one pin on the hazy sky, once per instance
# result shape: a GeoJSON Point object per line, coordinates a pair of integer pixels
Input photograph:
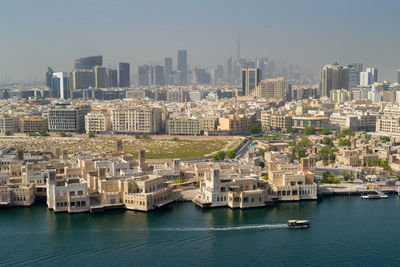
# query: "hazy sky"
{"type": "Point", "coordinates": [35, 34]}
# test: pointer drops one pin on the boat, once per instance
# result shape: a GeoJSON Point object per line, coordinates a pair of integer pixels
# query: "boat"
{"type": "Point", "coordinates": [296, 224]}
{"type": "Point", "coordinates": [374, 195]}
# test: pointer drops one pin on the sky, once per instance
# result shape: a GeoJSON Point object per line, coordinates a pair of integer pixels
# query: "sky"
{"type": "Point", "coordinates": [35, 34]}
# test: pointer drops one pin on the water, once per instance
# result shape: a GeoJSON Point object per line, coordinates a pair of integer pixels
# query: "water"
{"type": "Point", "coordinates": [345, 231]}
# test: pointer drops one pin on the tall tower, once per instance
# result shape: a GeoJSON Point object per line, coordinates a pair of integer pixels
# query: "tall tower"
{"type": "Point", "coordinates": [168, 70]}
{"type": "Point", "coordinates": [182, 66]}
{"type": "Point", "coordinates": [238, 48]}
{"type": "Point", "coordinates": [124, 74]}
{"type": "Point", "coordinates": [250, 79]}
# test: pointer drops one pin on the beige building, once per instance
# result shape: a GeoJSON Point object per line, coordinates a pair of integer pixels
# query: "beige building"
{"type": "Point", "coordinates": [236, 124]}
{"type": "Point", "coordinates": [183, 126]}
{"type": "Point", "coordinates": [146, 193]}
{"type": "Point", "coordinates": [33, 124]}
{"type": "Point", "coordinates": [9, 123]}
{"type": "Point", "coordinates": [274, 121]}
{"type": "Point", "coordinates": [272, 89]}
{"type": "Point", "coordinates": [138, 119]}
{"type": "Point", "coordinates": [97, 122]}
{"type": "Point", "coordinates": [388, 125]}
{"type": "Point", "coordinates": [17, 195]}
{"type": "Point", "coordinates": [318, 122]}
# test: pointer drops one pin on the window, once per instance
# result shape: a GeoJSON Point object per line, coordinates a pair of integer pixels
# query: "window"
{"type": "Point", "coordinates": [72, 204]}
{"type": "Point", "coordinates": [80, 193]}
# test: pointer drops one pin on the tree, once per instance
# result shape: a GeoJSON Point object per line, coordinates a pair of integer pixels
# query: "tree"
{"type": "Point", "coordinates": [261, 152]}
{"type": "Point", "coordinates": [144, 135]}
{"type": "Point", "coordinates": [43, 133]}
{"type": "Point", "coordinates": [254, 128]}
{"type": "Point", "coordinates": [327, 141]}
{"type": "Point", "coordinates": [63, 134]}
{"type": "Point", "coordinates": [348, 175]}
{"type": "Point", "coordinates": [220, 155]}
{"type": "Point", "coordinates": [266, 177]}
{"type": "Point", "coordinates": [175, 139]}
{"type": "Point", "coordinates": [309, 130]}
{"type": "Point", "coordinates": [91, 135]}
{"type": "Point", "coordinates": [325, 131]}
{"type": "Point", "coordinates": [344, 142]}
{"type": "Point", "coordinates": [299, 149]}
{"type": "Point", "coordinates": [348, 132]}
{"type": "Point", "coordinates": [272, 148]}
{"type": "Point", "coordinates": [262, 164]}
{"type": "Point", "coordinates": [7, 132]}
{"type": "Point", "coordinates": [385, 138]}
{"type": "Point", "coordinates": [326, 153]}
{"type": "Point", "coordinates": [137, 135]}
{"type": "Point", "coordinates": [231, 154]}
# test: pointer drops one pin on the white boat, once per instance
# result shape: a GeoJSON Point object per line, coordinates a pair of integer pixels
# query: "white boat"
{"type": "Point", "coordinates": [295, 224]}
{"type": "Point", "coordinates": [374, 195]}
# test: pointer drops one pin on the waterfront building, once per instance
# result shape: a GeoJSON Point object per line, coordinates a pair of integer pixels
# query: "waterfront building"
{"type": "Point", "coordinates": [250, 79]}
{"type": "Point", "coordinates": [33, 124]}
{"type": "Point", "coordinates": [17, 195]}
{"type": "Point", "coordinates": [97, 122]}
{"type": "Point", "coordinates": [124, 75]}
{"type": "Point", "coordinates": [68, 118]}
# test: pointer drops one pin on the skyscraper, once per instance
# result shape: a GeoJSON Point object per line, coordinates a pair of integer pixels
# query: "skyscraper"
{"type": "Point", "coordinates": [112, 78]}
{"type": "Point", "coordinates": [49, 77]}
{"type": "Point", "coordinates": [100, 77]}
{"type": "Point", "coordinates": [143, 75]}
{"type": "Point", "coordinates": [87, 63]}
{"type": "Point", "coordinates": [61, 85]}
{"type": "Point", "coordinates": [124, 75]}
{"type": "Point", "coordinates": [369, 76]}
{"type": "Point", "coordinates": [250, 79]}
{"type": "Point", "coordinates": [333, 77]}
{"type": "Point", "coordinates": [157, 75]}
{"type": "Point", "coordinates": [82, 79]}
{"type": "Point", "coordinates": [272, 88]}
{"type": "Point", "coordinates": [229, 70]}
{"type": "Point", "coordinates": [168, 70]}
{"type": "Point", "coordinates": [398, 75]}
{"type": "Point", "coordinates": [182, 67]}
{"type": "Point", "coordinates": [354, 74]}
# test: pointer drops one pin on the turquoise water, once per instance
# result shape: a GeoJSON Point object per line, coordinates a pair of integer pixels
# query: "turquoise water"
{"type": "Point", "coordinates": [345, 231]}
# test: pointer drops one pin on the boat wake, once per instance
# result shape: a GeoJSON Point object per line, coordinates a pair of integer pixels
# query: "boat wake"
{"type": "Point", "coordinates": [227, 228]}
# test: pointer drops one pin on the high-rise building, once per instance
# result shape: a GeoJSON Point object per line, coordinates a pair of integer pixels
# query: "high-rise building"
{"type": "Point", "coordinates": [250, 80]}
{"type": "Point", "coordinates": [354, 74]}
{"type": "Point", "coordinates": [369, 76]}
{"type": "Point", "coordinates": [333, 77]}
{"type": "Point", "coordinates": [398, 75]}
{"type": "Point", "coordinates": [49, 77]}
{"type": "Point", "coordinates": [157, 75]}
{"type": "Point", "coordinates": [169, 78]}
{"type": "Point", "coordinates": [88, 63]}
{"type": "Point", "coordinates": [82, 79]}
{"type": "Point", "coordinates": [272, 88]}
{"type": "Point", "coordinates": [182, 67]}
{"type": "Point", "coordinates": [229, 70]}
{"type": "Point", "coordinates": [67, 118]}
{"type": "Point", "coordinates": [201, 75]}
{"type": "Point", "coordinates": [143, 75]}
{"type": "Point", "coordinates": [61, 85]}
{"type": "Point", "coordinates": [124, 75]}
{"type": "Point", "coordinates": [112, 78]}
{"type": "Point", "coordinates": [100, 77]}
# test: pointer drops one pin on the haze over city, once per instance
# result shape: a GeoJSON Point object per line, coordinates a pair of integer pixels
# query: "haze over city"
{"type": "Point", "coordinates": [38, 34]}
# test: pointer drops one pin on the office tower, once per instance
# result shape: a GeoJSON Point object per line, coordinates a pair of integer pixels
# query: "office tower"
{"type": "Point", "coordinates": [61, 85]}
{"type": "Point", "coordinates": [229, 70]}
{"type": "Point", "coordinates": [143, 74]}
{"type": "Point", "coordinates": [82, 79]}
{"type": "Point", "coordinates": [68, 118]}
{"type": "Point", "coordinates": [169, 79]}
{"type": "Point", "coordinates": [398, 75]}
{"type": "Point", "coordinates": [201, 76]}
{"type": "Point", "coordinates": [100, 77]}
{"type": "Point", "coordinates": [369, 76]}
{"type": "Point", "coordinates": [124, 75]}
{"type": "Point", "coordinates": [217, 75]}
{"type": "Point", "coordinates": [354, 74]}
{"type": "Point", "coordinates": [272, 88]}
{"type": "Point", "coordinates": [156, 75]}
{"type": "Point", "coordinates": [333, 77]}
{"type": "Point", "coordinates": [182, 67]}
{"type": "Point", "coordinates": [250, 79]}
{"type": "Point", "coordinates": [112, 78]}
{"type": "Point", "coordinates": [88, 63]}
{"type": "Point", "coordinates": [49, 77]}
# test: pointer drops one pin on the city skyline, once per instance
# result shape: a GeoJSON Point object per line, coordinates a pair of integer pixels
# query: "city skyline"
{"type": "Point", "coordinates": [309, 35]}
